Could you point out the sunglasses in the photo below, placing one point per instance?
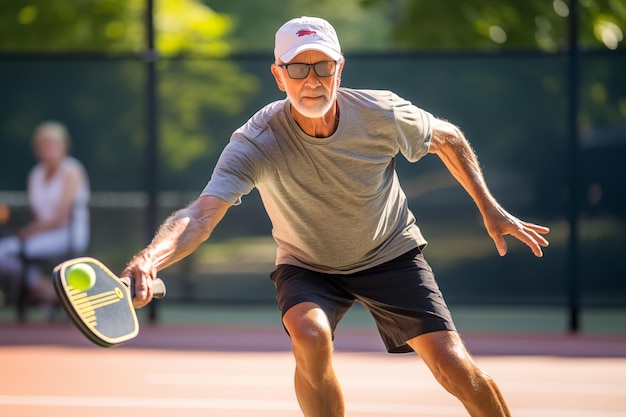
(301, 71)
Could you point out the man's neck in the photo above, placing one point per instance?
(319, 127)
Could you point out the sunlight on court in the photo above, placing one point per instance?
(63, 381)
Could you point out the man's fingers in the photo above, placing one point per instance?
(538, 228)
(143, 291)
(533, 240)
(538, 238)
(528, 233)
(141, 288)
(534, 233)
(142, 285)
(501, 245)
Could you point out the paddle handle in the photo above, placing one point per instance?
(158, 286)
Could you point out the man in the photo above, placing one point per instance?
(323, 162)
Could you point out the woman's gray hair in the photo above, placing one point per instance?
(55, 129)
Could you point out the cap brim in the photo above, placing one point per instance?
(291, 54)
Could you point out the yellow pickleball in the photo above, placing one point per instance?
(81, 276)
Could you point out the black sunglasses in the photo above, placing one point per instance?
(301, 71)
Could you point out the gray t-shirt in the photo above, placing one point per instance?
(335, 203)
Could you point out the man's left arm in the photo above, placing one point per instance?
(449, 143)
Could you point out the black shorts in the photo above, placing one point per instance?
(401, 295)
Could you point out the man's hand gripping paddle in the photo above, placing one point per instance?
(99, 303)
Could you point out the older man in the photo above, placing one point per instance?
(323, 161)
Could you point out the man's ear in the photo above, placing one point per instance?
(278, 77)
(339, 71)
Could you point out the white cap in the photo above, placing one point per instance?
(306, 34)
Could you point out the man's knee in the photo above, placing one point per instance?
(308, 328)
(462, 378)
(446, 356)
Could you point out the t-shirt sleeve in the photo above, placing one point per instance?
(234, 174)
(414, 128)
(247, 158)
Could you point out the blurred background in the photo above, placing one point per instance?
(151, 91)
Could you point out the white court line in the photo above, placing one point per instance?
(398, 384)
(271, 405)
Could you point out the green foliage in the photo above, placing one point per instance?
(199, 87)
(358, 27)
(189, 89)
(76, 25)
(498, 24)
(187, 26)
(202, 94)
(112, 26)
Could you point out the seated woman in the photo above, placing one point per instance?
(58, 197)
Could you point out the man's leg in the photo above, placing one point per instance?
(317, 388)
(451, 364)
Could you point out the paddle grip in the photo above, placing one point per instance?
(158, 286)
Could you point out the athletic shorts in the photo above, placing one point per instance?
(401, 295)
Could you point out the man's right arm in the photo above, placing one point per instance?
(179, 235)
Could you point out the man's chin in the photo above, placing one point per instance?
(313, 112)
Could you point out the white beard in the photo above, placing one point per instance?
(312, 110)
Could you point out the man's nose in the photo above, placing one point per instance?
(312, 79)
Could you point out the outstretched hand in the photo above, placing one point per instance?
(500, 223)
(143, 271)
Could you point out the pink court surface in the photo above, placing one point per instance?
(234, 371)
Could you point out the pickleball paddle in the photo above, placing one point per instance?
(102, 306)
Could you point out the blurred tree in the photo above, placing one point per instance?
(504, 24)
(189, 89)
(200, 89)
(359, 28)
(111, 26)
(74, 25)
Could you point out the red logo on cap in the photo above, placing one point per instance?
(305, 32)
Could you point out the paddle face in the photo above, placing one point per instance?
(104, 313)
